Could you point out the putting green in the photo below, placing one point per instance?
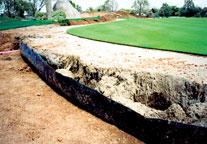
(188, 35)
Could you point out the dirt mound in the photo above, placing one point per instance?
(118, 14)
(93, 14)
(81, 22)
(8, 42)
(124, 14)
(115, 15)
(105, 17)
(108, 17)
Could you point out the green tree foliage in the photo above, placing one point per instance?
(188, 9)
(110, 5)
(204, 12)
(155, 12)
(20, 7)
(58, 15)
(175, 11)
(40, 16)
(165, 10)
(140, 6)
(14, 8)
(8, 6)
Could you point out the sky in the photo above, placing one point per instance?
(128, 3)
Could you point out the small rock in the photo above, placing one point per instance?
(59, 139)
(175, 112)
(65, 72)
(38, 94)
(8, 59)
(25, 69)
(28, 69)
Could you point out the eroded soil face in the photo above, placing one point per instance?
(31, 112)
(8, 42)
(156, 84)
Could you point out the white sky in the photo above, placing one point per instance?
(128, 3)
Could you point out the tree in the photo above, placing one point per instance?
(204, 12)
(90, 9)
(155, 12)
(14, 8)
(110, 5)
(19, 7)
(174, 11)
(165, 10)
(197, 11)
(140, 6)
(188, 9)
(36, 6)
(8, 7)
(76, 6)
(49, 8)
(100, 8)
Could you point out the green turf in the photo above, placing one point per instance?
(188, 35)
(8, 23)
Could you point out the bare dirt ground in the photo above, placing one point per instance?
(31, 112)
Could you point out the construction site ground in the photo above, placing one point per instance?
(32, 112)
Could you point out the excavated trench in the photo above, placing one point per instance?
(152, 95)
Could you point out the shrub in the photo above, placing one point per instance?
(58, 16)
(41, 16)
(64, 22)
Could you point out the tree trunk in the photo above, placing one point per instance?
(49, 8)
(140, 9)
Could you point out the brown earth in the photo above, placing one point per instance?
(93, 14)
(31, 112)
(105, 17)
(8, 42)
(121, 13)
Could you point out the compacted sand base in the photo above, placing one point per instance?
(156, 84)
